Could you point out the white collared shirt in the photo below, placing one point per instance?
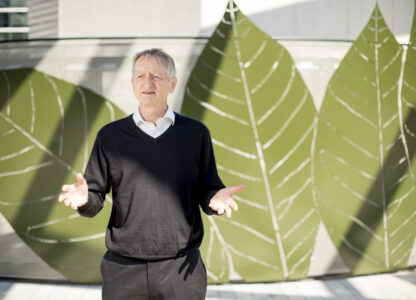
(162, 124)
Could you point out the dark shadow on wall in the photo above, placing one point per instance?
(43, 22)
(342, 288)
(46, 183)
(411, 278)
(21, 60)
(89, 256)
(15, 55)
(355, 234)
(205, 74)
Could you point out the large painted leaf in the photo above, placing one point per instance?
(247, 90)
(362, 180)
(408, 107)
(47, 128)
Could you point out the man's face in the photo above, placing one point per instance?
(150, 82)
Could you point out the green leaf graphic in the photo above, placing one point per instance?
(408, 109)
(247, 90)
(47, 129)
(362, 180)
(408, 93)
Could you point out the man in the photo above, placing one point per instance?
(161, 168)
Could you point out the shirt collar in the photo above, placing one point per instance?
(168, 114)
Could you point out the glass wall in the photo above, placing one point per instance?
(13, 20)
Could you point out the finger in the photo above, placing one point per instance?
(74, 206)
(67, 202)
(213, 205)
(228, 211)
(62, 197)
(220, 210)
(238, 188)
(234, 205)
(67, 187)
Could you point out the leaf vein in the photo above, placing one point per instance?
(293, 150)
(299, 223)
(256, 54)
(269, 73)
(394, 58)
(281, 99)
(345, 185)
(252, 231)
(250, 203)
(215, 109)
(292, 174)
(234, 150)
(348, 140)
(347, 164)
(288, 121)
(220, 72)
(37, 143)
(349, 108)
(215, 93)
(17, 153)
(291, 200)
(252, 258)
(26, 170)
(355, 249)
(238, 174)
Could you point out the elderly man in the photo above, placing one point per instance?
(161, 168)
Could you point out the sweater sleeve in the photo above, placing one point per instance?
(210, 182)
(97, 177)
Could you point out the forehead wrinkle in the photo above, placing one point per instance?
(144, 61)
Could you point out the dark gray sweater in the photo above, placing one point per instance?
(157, 187)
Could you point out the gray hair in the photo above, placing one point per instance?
(164, 58)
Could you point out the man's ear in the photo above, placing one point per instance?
(173, 85)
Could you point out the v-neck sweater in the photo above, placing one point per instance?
(157, 184)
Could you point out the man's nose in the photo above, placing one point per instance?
(148, 80)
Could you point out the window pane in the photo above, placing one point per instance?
(13, 19)
(13, 3)
(4, 20)
(13, 36)
(18, 19)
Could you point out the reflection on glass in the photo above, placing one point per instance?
(13, 19)
(13, 36)
(13, 3)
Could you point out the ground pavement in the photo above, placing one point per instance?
(392, 286)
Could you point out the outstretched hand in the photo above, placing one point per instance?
(223, 200)
(75, 195)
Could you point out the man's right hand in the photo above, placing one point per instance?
(75, 195)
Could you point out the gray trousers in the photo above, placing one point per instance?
(177, 278)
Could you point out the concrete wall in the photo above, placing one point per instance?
(314, 19)
(298, 19)
(311, 19)
(43, 18)
(97, 18)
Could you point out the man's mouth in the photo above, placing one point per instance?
(148, 92)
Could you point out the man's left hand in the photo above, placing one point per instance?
(223, 200)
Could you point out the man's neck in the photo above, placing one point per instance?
(151, 113)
